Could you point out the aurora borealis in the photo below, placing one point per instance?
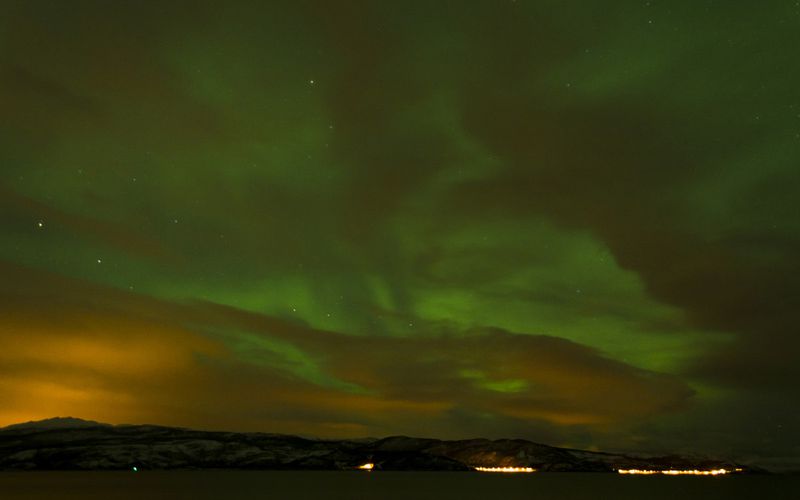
(571, 222)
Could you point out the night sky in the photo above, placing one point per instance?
(571, 222)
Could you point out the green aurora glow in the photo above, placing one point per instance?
(434, 218)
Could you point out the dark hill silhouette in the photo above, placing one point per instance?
(75, 444)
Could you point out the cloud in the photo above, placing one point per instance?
(20, 213)
(455, 184)
(108, 354)
(661, 195)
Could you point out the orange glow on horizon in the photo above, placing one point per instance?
(366, 466)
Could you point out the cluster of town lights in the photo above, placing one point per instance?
(673, 472)
(505, 469)
(647, 472)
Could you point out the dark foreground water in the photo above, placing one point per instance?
(236, 485)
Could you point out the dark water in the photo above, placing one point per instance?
(236, 485)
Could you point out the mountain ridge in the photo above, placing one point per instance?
(68, 443)
(55, 423)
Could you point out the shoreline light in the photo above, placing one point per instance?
(367, 466)
(675, 472)
(505, 469)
